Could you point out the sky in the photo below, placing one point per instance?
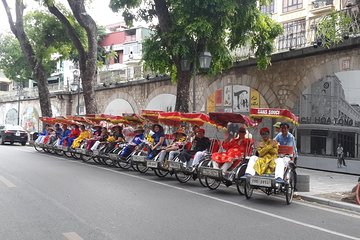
(98, 9)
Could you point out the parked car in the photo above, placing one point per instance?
(13, 133)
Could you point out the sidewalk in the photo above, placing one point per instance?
(328, 188)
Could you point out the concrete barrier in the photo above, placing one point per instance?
(303, 183)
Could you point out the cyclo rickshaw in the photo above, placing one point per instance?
(139, 159)
(215, 176)
(131, 120)
(171, 119)
(267, 182)
(182, 173)
(42, 146)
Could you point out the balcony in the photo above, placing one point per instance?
(321, 6)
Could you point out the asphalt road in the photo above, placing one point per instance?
(48, 197)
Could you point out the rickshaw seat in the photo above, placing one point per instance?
(285, 150)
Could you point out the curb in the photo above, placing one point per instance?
(337, 204)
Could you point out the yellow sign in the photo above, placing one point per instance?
(210, 103)
(254, 99)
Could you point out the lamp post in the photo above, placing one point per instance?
(75, 87)
(204, 62)
(19, 93)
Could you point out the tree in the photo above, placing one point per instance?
(186, 28)
(87, 51)
(12, 60)
(39, 73)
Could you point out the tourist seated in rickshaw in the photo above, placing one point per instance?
(136, 141)
(57, 134)
(95, 137)
(43, 134)
(102, 139)
(157, 141)
(74, 133)
(199, 147)
(50, 133)
(64, 135)
(265, 162)
(235, 149)
(174, 149)
(116, 138)
(285, 138)
(84, 135)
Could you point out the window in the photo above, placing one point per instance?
(291, 5)
(267, 9)
(294, 35)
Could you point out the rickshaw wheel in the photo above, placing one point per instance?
(85, 157)
(76, 155)
(212, 183)
(37, 148)
(123, 165)
(289, 187)
(182, 177)
(97, 160)
(240, 184)
(248, 189)
(67, 154)
(58, 152)
(142, 168)
(202, 178)
(160, 173)
(108, 161)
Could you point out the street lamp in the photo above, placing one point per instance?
(19, 89)
(75, 87)
(204, 62)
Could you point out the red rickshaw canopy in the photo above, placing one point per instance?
(258, 113)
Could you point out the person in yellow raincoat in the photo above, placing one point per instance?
(84, 134)
(268, 152)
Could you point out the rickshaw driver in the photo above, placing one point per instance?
(284, 138)
(268, 151)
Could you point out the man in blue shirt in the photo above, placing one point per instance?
(284, 138)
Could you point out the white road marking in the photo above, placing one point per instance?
(225, 201)
(7, 182)
(72, 236)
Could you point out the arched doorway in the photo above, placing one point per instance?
(118, 107)
(163, 102)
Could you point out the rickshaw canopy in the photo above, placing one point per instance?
(282, 114)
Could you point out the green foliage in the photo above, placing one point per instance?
(12, 61)
(218, 26)
(333, 28)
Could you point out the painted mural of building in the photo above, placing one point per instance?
(327, 119)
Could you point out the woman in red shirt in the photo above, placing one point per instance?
(235, 150)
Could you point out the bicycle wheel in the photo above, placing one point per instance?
(240, 183)
(212, 183)
(204, 163)
(289, 187)
(160, 173)
(182, 177)
(248, 189)
(142, 168)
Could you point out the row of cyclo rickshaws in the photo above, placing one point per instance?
(139, 142)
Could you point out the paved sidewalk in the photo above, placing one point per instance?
(328, 188)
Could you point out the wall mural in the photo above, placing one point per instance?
(234, 98)
(11, 117)
(30, 119)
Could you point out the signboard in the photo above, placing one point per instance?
(254, 99)
(228, 96)
(241, 98)
(210, 103)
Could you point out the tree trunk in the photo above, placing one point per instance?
(183, 94)
(38, 69)
(88, 57)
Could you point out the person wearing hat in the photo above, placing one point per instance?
(115, 138)
(95, 136)
(268, 152)
(198, 149)
(284, 138)
(159, 141)
(277, 127)
(235, 150)
(101, 139)
(136, 141)
(50, 133)
(175, 147)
